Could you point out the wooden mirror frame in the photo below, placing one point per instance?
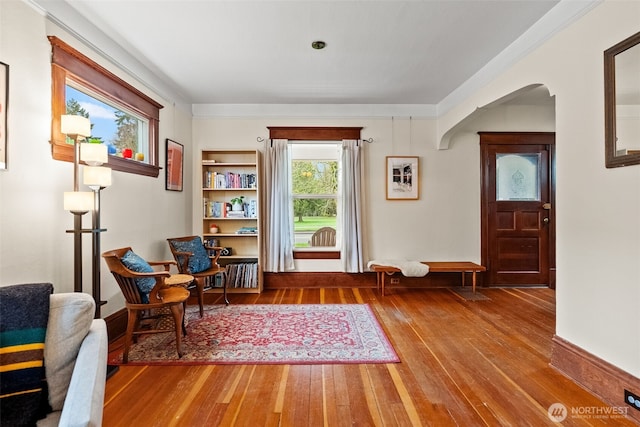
(612, 159)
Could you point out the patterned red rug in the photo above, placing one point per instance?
(270, 334)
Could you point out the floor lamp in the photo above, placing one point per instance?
(80, 202)
(77, 202)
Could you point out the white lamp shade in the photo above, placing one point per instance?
(75, 125)
(78, 201)
(94, 154)
(97, 176)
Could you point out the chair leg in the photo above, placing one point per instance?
(178, 317)
(200, 289)
(132, 320)
(224, 290)
(184, 316)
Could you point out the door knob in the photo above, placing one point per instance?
(545, 220)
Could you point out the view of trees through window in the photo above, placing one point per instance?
(109, 125)
(314, 175)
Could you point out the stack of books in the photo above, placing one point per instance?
(242, 275)
(247, 230)
(236, 214)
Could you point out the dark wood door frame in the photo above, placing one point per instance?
(512, 139)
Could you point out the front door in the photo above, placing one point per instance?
(518, 238)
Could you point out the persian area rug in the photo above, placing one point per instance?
(270, 334)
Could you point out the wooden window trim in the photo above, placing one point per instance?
(319, 254)
(305, 133)
(68, 63)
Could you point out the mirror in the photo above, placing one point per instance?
(622, 103)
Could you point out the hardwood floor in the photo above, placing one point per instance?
(463, 363)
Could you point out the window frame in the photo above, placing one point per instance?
(306, 133)
(69, 64)
(335, 196)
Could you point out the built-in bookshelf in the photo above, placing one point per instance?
(230, 207)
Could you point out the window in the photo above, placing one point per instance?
(317, 163)
(316, 194)
(121, 116)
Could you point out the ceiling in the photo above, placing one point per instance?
(259, 52)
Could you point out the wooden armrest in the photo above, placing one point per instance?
(217, 251)
(154, 295)
(162, 274)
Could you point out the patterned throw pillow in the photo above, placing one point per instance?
(136, 263)
(200, 260)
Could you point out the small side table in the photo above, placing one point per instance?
(179, 280)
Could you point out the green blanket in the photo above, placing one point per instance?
(23, 326)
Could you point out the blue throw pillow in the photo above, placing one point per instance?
(200, 260)
(135, 263)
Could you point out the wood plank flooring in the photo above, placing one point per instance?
(463, 363)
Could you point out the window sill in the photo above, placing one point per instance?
(64, 152)
(316, 254)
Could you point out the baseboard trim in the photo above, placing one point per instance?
(116, 324)
(329, 279)
(598, 376)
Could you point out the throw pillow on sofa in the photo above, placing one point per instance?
(69, 322)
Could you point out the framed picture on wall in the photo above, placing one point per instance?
(174, 165)
(4, 101)
(402, 178)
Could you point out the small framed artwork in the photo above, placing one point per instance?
(402, 178)
(4, 102)
(174, 165)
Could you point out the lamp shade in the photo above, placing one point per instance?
(94, 154)
(97, 176)
(75, 125)
(78, 201)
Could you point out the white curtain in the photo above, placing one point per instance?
(279, 237)
(352, 201)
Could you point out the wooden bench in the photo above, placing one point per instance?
(434, 267)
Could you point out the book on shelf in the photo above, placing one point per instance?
(247, 230)
(229, 180)
(216, 281)
(249, 210)
(214, 209)
(236, 214)
(242, 275)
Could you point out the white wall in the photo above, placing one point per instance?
(442, 225)
(598, 209)
(137, 211)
